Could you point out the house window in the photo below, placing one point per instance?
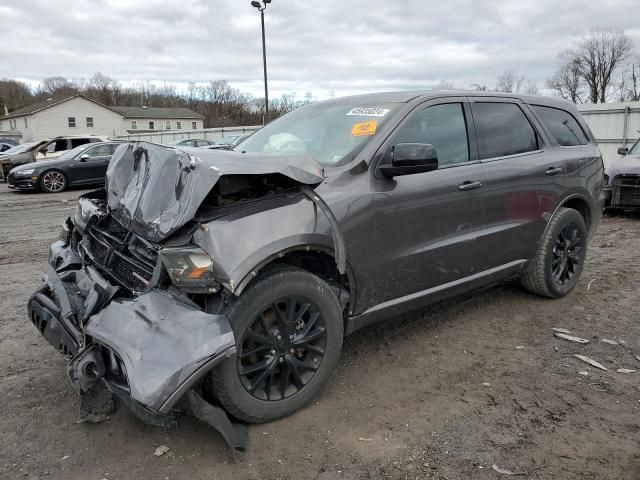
(134, 125)
(152, 125)
(72, 122)
(194, 125)
(167, 125)
(179, 125)
(90, 122)
(26, 124)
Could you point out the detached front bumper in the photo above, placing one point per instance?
(150, 349)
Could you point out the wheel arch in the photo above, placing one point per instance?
(316, 259)
(577, 202)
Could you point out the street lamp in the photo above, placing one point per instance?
(261, 7)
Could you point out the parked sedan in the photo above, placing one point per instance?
(84, 165)
(622, 179)
(193, 142)
(228, 143)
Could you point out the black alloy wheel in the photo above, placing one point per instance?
(282, 349)
(567, 254)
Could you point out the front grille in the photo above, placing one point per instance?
(125, 258)
(10, 179)
(625, 191)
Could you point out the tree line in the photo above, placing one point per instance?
(219, 103)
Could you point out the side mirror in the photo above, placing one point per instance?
(409, 158)
(623, 150)
(84, 157)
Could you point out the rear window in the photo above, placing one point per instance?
(503, 130)
(562, 125)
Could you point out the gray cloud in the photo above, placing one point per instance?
(344, 46)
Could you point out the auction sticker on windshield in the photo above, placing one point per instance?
(364, 128)
(368, 111)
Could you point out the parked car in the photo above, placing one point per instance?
(4, 147)
(45, 149)
(230, 278)
(84, 165)
(622, 179)
(193, 142)
(229, 142)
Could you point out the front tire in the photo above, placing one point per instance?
(53, 181)
(558, 263)
(289, 329)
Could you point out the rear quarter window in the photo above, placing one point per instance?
(564, 128)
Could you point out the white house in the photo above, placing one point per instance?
(79, 115)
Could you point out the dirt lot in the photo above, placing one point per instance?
(442, 393)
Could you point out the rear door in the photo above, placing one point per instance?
(524, 179)
(428, 221)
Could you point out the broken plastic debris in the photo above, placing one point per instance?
(504, 471)
(365, 439)
(626, 370)
(610, 342)
(519, 347)
(591, 362)
(486, 384)
(571, 338)
(560, 330)
(161, 450)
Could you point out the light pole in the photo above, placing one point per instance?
(261, 7)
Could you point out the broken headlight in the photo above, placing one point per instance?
(189, 267)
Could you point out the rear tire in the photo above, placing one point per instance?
(558, 263)
(289, 329)
(53, 181)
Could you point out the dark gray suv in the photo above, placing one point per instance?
(201, 279)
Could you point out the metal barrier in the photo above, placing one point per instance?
(168, 136)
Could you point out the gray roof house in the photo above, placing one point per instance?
(79, 115)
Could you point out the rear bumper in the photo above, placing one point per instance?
(150, 350)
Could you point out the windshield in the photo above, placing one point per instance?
(72, 153)
(20, 148)
(332, 133)
(635, 150)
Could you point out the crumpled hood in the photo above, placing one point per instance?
(154, 189)
(627, 165)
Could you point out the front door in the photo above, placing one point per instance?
(427, 223)
(91, 165)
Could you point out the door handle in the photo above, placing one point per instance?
(469, 185)
(553, 171)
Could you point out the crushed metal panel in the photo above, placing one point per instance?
(163, 343)
(154, 190)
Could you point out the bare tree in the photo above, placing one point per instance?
(444, 85)
(58, 87)
(630, 82)
(479, 88)
(567, 82)
(597, 57)
(509, 82)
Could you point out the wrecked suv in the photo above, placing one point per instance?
(226, 280)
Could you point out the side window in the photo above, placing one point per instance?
(76, 142)
(563, 127)
(99, 151)
(57, 146)
(444, 127)
(503, 129)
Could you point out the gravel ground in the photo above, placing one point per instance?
(443, 393)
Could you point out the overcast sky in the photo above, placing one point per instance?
(345, 46)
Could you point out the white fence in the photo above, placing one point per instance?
(168, 136)
(613, 124)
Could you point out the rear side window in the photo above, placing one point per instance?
(562, 125)
(503, 129)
